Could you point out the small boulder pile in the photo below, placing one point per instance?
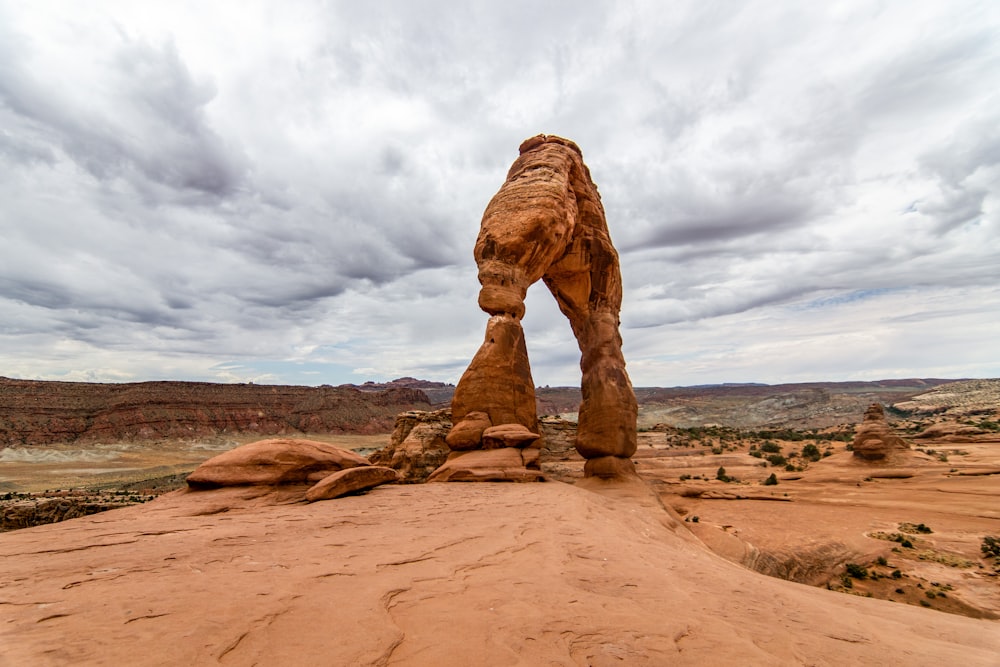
(874, 439)
(330, 471)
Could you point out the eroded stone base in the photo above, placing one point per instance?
(507, 464)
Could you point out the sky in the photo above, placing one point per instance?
(289, 192)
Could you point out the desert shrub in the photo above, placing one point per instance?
(770, 447)
(811, 452)
(756, 453)
(777, 460)
(896, 574)
(685, 477)
(881, 561)
(856, 571)
(695, 519)
(991, 546)
(721, 475)
(989, 425)
(716, 450)
(771, 481)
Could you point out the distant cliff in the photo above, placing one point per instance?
(33, 412)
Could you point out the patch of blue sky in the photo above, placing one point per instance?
(845, 298)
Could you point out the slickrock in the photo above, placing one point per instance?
(436, 574)
(274, 462)
(506, 464)
(417, 445)
(547, 223)
(350, 480)
(874, 439)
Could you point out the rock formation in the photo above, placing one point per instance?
(545, 223)
(274, 462)
(38, 413)
(417, 445)
(331, 470)
(874, 439)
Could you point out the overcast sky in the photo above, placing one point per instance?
(289, 192)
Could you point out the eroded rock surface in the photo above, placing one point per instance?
(350, 480)
(874, 439)
(547, 223)
(539, 574)
(417, 445)
(274, 462)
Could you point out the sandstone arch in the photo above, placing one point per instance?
(545, 223)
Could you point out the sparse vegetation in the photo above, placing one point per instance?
(856, 571)
(811, 452)
(771, 481)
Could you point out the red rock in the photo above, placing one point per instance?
(274, 462)
(350, 480)
(508, 464)
(34, 412)
(468, 433)
(547, 223)
(874, 439)
(509, 435)
(417, 444)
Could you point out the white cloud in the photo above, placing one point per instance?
(291, 192)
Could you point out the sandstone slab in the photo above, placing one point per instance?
(436, 574)
(350, 480)
(274, 462)
(507, 464)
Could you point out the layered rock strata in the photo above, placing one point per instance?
(546, 223)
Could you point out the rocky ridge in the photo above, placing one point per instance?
(34, 412)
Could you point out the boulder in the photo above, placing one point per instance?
(468, 433)
(509, 435)
(350, 480)
(274, 462)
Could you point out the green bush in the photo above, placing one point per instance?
(856, 571)
(991, 546)
(771, 447)
(771, 481)
(777, 460)
(721, 475)
(811, 452)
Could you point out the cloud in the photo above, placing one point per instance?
(234, 191)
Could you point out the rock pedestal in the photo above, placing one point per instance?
(874, 439)
(546, 223)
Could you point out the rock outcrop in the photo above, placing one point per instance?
(350, 480)
(274, 462)
(874, 439)
(547, 223)
(417, 445)
(282, 462)
(38, 413)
